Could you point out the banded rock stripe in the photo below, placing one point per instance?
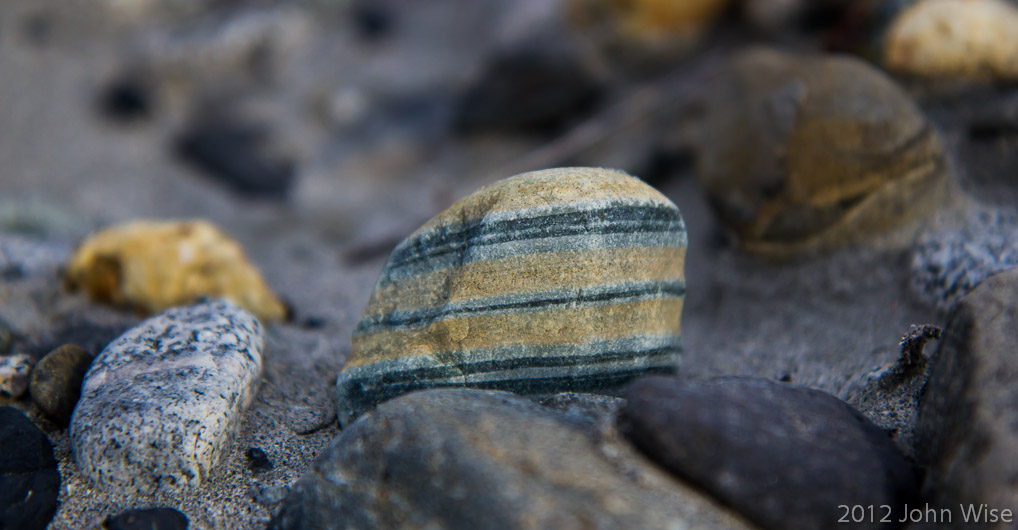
(565, 279)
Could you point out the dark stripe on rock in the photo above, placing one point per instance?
(408, 319)
(360, 400)
(614, 218)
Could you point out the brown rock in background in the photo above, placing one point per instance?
(807, 153)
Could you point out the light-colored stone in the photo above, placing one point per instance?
(559, 280)
(972, 39)
(14, 370)
(160, 403)
(153, 265)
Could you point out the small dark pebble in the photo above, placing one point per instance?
(126, 99)
(257, 460)
(528, 90)
(6, 337)
(373, 22)
(783, 456)
(29, 479)
(148, 519)
(313, 322)
(55, 381)
(233, 152)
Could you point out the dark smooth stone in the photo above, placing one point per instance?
(373, 22)
(968, 412)
(468, 459)
(127, 99)
(29, 479)
(784, 456)
(55, 381)
(528, 90)
(149, 519)
(232, 151)
(6, 337)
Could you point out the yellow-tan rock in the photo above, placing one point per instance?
(654, 29)
(970, 39)
(808, 153)
(153, 265)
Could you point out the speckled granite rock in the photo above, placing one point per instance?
(784, 456)
(807, 153)
(974, 39)
(559, 280)
(968, 419)
(29, 480)
(160, 403)
(55, 381)
(153, 265)
(466, 459)
(954, 255)
(14, 370)
(147, 519)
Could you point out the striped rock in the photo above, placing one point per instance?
(558, 280)
(158, 406)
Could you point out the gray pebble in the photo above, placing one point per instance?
(14, 371)
(160, 403)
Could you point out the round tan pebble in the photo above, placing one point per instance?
(807, 153)
(971, 39)
(55, 381)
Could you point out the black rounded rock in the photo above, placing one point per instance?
(55, 382)
(127, 99)
(29, 479)
(235, 153)
(786, 457)
(148, 519)
(257, 460)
